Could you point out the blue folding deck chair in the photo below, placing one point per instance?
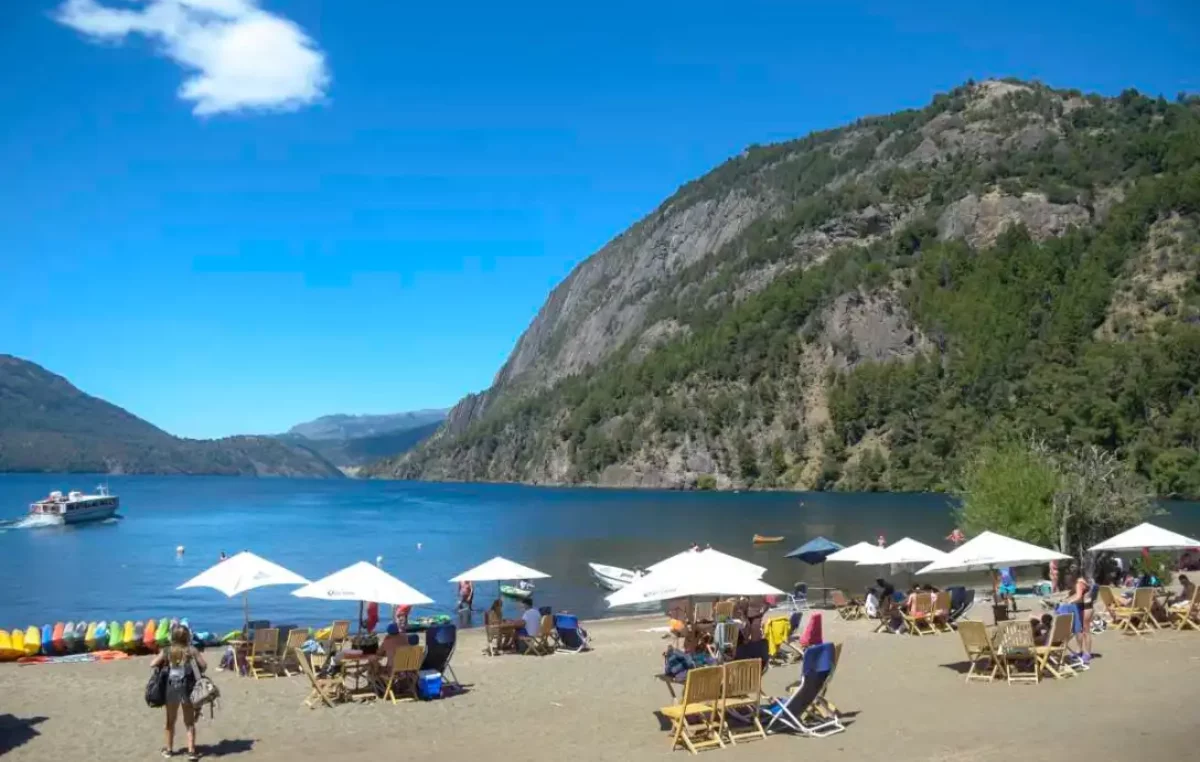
(567, 635)
(440, 643)
(796, 711)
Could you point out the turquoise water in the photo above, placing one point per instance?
(128, 569)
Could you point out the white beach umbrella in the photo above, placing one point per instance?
(1149, 537)
(693, 576)
(497, 570)
(903, 553)
(241, 574)
(363, 582)
(989, 552)
(859, 551)
(709, 559)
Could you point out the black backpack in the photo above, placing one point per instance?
(156, 688)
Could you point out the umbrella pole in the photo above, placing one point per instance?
(824, 588)
(246, 612)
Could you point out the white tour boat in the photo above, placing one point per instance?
(77, 507)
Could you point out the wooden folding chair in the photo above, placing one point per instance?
(339, 632)
(1184, 615)
(1053, 656)
(919, 621)
(940, 618)
(1142, 621)
(703, 612)
(541, 642)
(264, 653)
(742, 692)
(725, 640)
(325, 690)
(1014, 643)
(722, 610)
(889, 612)
(1120, 614)
(701, 699)
(403, 670)
(846, 608)
(980, 650)
(295, 641)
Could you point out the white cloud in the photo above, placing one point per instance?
(239, 57)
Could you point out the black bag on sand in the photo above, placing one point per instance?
(156, 688)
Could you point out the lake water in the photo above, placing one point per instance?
(128, 569)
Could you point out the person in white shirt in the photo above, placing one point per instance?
(532, 619)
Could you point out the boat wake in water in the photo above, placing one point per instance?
(33, 522)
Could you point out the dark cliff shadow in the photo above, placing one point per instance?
(17, 731)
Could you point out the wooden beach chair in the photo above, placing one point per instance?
(264, 653)
(1053, 657)
(940, 618)
(701, 698)
(891, 618)
(846, 608)
(742, 698)
(541, 642)
(1014, 643)
(1120, 614)
(725, 640)
(287, 660)
(981, 653)
(339, 632)
(722, 610)
(402, 673)
(1184, 615)
(325, 690)
(703, 612)
(1143, 620)
(919, 621)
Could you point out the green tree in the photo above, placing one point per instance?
(1009, 488)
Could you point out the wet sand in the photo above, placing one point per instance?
(903, 698)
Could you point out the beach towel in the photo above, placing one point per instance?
(818, 658)
(812, 631)
(778, 631)
(1073, 610)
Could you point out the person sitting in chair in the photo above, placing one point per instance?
(1187, 589)
(531, 620)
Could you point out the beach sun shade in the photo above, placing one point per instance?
(1149, 537)
(990, 551)
(692, 577)
(709, 559)
(498, 570)
(902, 553)
(859, 551)
(363, 582)
(242, 573)
(815, 551)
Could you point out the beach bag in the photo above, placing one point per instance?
(156, 688)
(204, 691)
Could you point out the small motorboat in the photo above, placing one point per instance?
(515, 591)
(612, 577)
(762, 539)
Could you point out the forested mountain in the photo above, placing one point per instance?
(46, 424)
(857, 308)
(356, 451)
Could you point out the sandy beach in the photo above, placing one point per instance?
(902, 697)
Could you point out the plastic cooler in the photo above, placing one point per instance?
(429, 684)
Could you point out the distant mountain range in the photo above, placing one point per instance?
(48, 425)
(341, 426)
(349, 441)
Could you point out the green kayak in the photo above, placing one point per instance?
(512, 591)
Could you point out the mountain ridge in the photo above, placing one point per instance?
(49, 425)
(741, 334)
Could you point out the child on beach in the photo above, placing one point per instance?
(180, 658)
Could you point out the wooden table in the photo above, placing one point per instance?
(359, 667)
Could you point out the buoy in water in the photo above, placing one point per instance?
(418, 546)
(179, 550)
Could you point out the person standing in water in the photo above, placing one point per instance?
(180, 658)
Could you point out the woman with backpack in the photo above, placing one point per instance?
(183, 663)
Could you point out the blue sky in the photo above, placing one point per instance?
(358, 206)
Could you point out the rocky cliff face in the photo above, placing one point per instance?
(699, 348)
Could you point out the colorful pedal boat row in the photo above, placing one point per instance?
(78, 637)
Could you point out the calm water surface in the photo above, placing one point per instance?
(128, 569)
